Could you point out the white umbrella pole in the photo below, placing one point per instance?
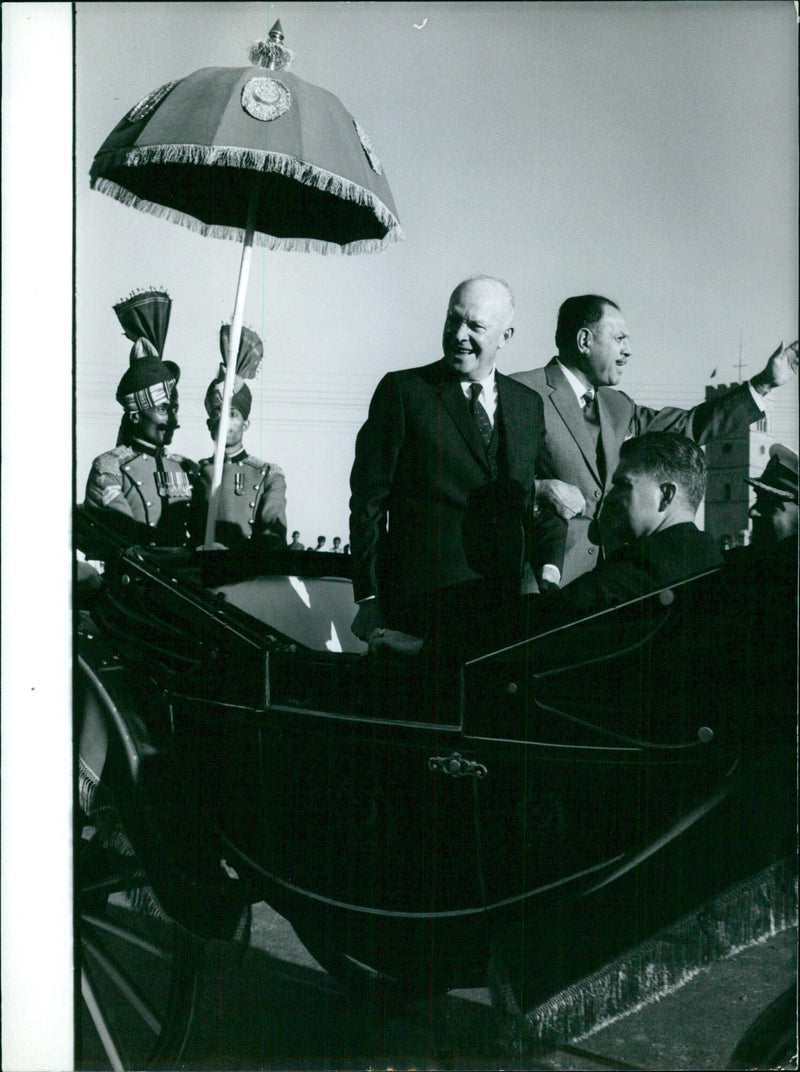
(230, 372)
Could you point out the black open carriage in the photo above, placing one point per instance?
(236, 744)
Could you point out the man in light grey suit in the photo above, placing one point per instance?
(586, 422)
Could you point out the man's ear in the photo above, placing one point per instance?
(245, 425)
(507, 334)
(582, 339)
(135, 417)
(668, 493)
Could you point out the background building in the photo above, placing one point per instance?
(729, 461)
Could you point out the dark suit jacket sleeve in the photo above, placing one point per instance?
(725, 415)
(545, 539)
(547, 534)
(377, 449)
(602, 588)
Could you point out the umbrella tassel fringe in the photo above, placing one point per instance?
(276, 163)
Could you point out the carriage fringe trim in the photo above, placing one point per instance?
(250, 159)
(94, 802)
(88, 789)
(750, 912)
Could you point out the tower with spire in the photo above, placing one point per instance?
(728, 462)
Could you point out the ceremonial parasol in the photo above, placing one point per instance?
(239, 153)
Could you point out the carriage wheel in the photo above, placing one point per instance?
(771, 1040)
(361, 980)
(138, 968)
(411, 980)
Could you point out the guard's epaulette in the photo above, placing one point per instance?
(250, 460)
(255, 462)
(110, 461)
(121, 452)
(210, 461)
(274, 470)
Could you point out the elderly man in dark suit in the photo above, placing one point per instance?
(443, 478)
(587, 421)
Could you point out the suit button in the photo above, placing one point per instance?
(251, 505)
(597, 495)
(148, 504)
(152, 524)
(591, 550)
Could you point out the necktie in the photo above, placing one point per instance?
(479, 414)
(592, 418)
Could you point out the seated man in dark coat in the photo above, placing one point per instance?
(656, 491)
(759, 594)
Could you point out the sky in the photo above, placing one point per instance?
(645, 151)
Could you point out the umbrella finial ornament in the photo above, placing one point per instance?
(272, 53)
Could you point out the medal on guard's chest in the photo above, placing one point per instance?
(173, 486)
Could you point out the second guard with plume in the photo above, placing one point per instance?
(252, 496)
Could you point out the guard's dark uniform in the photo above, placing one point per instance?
(252, 501)
(148, 485)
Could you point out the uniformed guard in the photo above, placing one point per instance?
(252, 496)
(140, 486)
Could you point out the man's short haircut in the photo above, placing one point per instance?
(487, 279)
(579, 312)
(668, 456)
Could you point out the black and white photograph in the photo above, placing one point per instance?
(402, 669)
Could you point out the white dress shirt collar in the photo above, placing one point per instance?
(488, 395)
(577, 386)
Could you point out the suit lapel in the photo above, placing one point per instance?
(609, 436)
(566, 405)
(455, 403)
(512, 415)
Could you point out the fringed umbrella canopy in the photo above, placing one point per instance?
(254, 154)
(191, 149)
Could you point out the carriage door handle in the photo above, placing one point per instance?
(456, 766)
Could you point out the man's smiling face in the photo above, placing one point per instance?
(478, 324)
